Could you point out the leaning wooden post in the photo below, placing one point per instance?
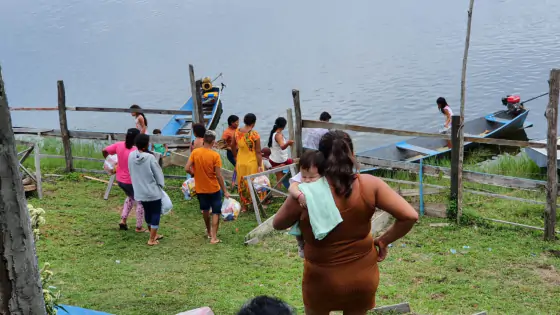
(20, 282)
(198, 104)
(455, 124)
(462, 113)
(552, 167)
(64, 127)
(195, 96)
(290, 118)
(298, 125)
(38, 171)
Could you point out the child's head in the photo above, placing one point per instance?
(131, 137)
(199, 130)
(312, 166)
(265, 152)
(156, 132)
(209, 137)
(142, 142)
(233, 121)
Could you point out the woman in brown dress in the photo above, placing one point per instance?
(340, 271)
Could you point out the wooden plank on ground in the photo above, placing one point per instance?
(402, 308)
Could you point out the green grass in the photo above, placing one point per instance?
(82, 243)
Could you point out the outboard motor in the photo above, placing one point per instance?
(513, 103)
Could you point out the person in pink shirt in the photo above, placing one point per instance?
(122, 149)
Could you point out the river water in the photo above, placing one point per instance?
(376, 63)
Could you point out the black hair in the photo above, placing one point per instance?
(325, 116)
(337, 147)
(142, 114)
(313, 158)
(130, 137)
(209, 136)
(442, 103)
(142, 141)
(231, 119)
(156, 132)
(199, 130)
(250, 119)
(280, 122)
(265, 305)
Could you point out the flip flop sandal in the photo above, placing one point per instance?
(218, 242)
(123, 227)
(159, 237)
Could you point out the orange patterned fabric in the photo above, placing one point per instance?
(246, 163)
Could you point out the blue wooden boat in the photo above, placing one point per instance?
(212, 109)
(501, 124)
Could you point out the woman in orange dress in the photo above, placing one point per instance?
(246, 148)
(340, 271)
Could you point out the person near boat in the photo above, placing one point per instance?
(279, 147)
(313, 135)
(148, 181)
(140, 119)
(340, 271)
(227, 136)
(161, 148)
(123, 149)
(198, 130)
(207, 166)
(445, 109)
(246, 148)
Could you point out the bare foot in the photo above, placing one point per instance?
(152, 243)
(214, 242)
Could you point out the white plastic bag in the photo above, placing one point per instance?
(110, 164)
(166, 204)
(230, 209)
(261, 183)
(188, 188)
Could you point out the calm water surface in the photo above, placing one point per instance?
(377, 63)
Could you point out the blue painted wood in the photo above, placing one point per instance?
(74, 310)
(408, 146)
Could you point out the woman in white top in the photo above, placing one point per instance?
(140, 120)
(445, 109)
(279, 147)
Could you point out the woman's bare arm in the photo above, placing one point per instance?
(280, 139)
(288, 214)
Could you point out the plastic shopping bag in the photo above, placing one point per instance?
(230, 209)
(110, 164)
(188, 188)
(166, 204)
(261, 183)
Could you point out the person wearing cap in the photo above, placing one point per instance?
(205, 165)
(313, 135)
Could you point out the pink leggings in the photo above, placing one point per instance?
(129, 202)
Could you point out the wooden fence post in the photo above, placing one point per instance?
(64, 126)
(298, 125)
(195, 97)
(290, 119)
(552, 167)
(39, 182)
(455, 124)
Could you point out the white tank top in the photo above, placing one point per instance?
(277, 155)
(448, 109)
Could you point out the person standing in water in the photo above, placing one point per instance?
(140, 119)
(445, 109)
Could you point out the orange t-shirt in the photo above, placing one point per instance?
(204, 162)
(228, 135)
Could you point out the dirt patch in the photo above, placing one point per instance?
(549, 274)
(438, 296)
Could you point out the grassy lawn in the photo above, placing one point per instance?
(505, 270)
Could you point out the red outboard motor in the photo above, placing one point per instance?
(513, 103)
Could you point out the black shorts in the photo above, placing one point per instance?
(211, 202)
(127, 188)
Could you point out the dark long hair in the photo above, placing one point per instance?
(338, 149)
(441, 103)
(280, 122)
(142, 114)
(130, 137)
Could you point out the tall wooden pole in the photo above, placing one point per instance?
(64, 127)
(455, 124)
(462, 114)
(197, 102)
(291, 134)
(297, 125)
(552, 167)
(20, 282)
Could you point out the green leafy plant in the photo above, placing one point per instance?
(50, 294)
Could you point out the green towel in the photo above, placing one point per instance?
(323, 213)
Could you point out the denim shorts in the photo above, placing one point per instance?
(211, 202)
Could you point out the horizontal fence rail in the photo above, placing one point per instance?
(108, 110)
(406, 133)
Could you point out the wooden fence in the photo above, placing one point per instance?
(551, 185)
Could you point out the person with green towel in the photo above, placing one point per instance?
(310, 184)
